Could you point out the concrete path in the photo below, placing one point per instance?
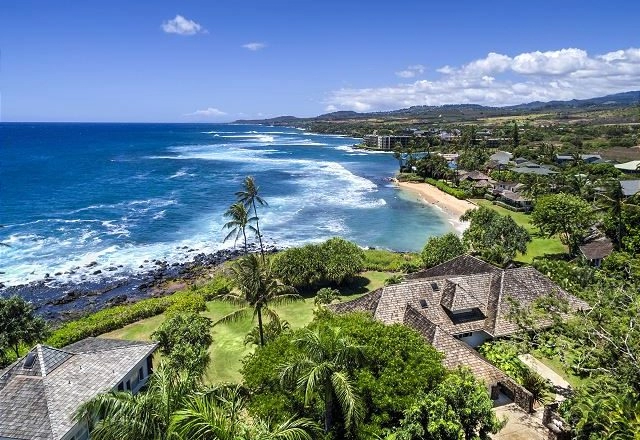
(560, 385)
(520, 425)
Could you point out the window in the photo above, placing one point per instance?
(423, 303)
(128, 385)
(435, 287)
(464, 335)
(140, 374)
(120, 386)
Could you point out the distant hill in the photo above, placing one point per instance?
(463, 111)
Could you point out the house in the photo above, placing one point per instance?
(501, 157)
(563, 159)
(630, 187)
(458, 305)
(475, 176)
(516, 200)
(40, 392)
(533, 168)
(596, 250)
(632, 167)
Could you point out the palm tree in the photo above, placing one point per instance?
(257, 290)
(250, 197)
(143, 416)
(238, 223)
(614, 200)
(324, 370)
(220, 415)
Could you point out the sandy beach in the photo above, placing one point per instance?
(432, 195)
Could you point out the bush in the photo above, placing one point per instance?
(326, 295)
(393, 279)
(441, 249)
(330, 263)
(190, 303)
(113, 318)
(457, 193)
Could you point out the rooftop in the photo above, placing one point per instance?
(630, 187)
(460, 296)
(629, 166)
(597, 249)
(40, 392)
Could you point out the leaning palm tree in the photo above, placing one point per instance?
(143, 416)
(249, 197)
(220, 414)
(324, 370)
(239, 223)
(257, 290)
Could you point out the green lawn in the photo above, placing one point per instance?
(556, 365)
(228, 347)
(539, 246)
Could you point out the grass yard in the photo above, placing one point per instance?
(228, 347)
(556, 365)
(539, 246)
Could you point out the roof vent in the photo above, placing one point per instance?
(423, 303)
(435, 287)
(30, 360)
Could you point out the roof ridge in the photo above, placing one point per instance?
(121, 347)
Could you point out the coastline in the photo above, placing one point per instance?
(431, 195)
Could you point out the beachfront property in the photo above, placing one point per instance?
(40, 393)
(632, 167)
(533, 168)
(458, 305)
(386, 142)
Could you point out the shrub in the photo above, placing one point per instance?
(326, 295)
(190, 303)
(332, 262)
(393, 279)
(457, 193)
(113, 318)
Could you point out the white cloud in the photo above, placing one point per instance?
(182, 26)
(207, 113)
(411, 71)
(499, 79)
(254, 46)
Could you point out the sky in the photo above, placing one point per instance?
(222, 60)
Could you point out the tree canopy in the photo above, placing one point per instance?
(19, 325)
(441, 249)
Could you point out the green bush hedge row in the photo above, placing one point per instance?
(114, 318)
(457, 193)
(388, 261)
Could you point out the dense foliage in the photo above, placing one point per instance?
(441, 249)
(566, 215)
(497, 238)
(330, 263)
(183, 340)
(396, 367)
(19, 326)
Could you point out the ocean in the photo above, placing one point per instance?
(117, 196)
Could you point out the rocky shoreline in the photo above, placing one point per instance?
(60, 301)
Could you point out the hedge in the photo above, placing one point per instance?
(457, 193)
(114, 318)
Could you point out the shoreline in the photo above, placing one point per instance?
(449, 205)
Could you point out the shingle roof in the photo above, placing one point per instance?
(459, 296)
(39, 403)
(630, 187)
(462, 265)
(597, 249)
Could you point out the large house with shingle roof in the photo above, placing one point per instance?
(458, 305)
(40, 393)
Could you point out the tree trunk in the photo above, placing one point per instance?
(244, 234)
(255, 213)
(260, 326)
(16, 348)
(328, 407)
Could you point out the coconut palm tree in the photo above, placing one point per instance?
(249, 196)
(220, 415)
(324, 370)
(614, 200)
(143, 416)
(257, 290)
(239, 223)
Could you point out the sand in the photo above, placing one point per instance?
(433, 196)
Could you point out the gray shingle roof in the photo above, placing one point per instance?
(429, 304)
(630, 187)
(39, 403)
(597, 249)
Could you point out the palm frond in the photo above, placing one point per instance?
(347, 398)
(234, 316)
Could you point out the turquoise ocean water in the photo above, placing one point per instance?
(120, 194)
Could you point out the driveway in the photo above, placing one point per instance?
(560, 385)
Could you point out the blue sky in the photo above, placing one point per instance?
(222, 60)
